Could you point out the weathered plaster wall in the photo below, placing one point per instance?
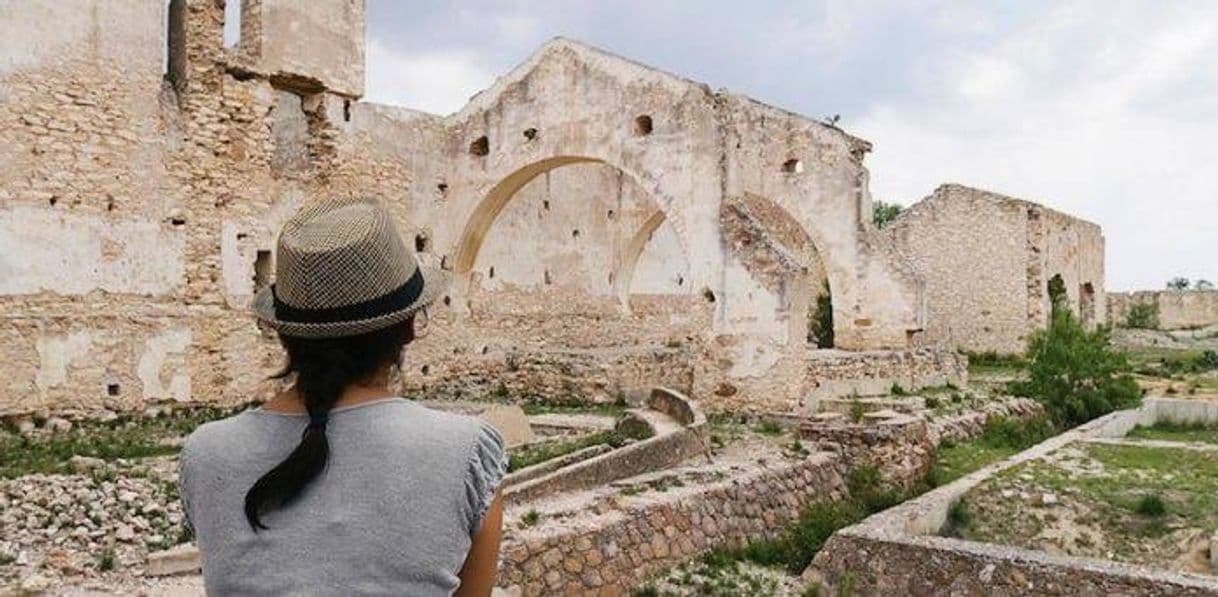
(1178, 309)
(987, 260)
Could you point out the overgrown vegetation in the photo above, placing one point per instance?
(122, 437)
(1075, 373)
(1151, 505)
(1176, 432)
(1143, 316)
(794, 549)
(544, 451)
(820, 324)
(882, 213)
(1001, 438)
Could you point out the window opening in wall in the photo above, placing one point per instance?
(708, 294)
(642, 125)
(491, 272)
(262, 270)
(232, 23)
(346, 110)
(420, 243)
(480, 147)
(426, 369)
(820, 319)
(545, 204)
(113, 389)
(1086, 303)
(530, 133)
(793, 166)
(177, 221)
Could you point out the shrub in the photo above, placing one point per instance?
(958, 518)
(1075, 374)
(1143, 316)
(1151, 505)
(857, 410)
(897, 390)
(820, 328)
(530, 518)
(884, 213)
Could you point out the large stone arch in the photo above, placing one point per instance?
(484, 214)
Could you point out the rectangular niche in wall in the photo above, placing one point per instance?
(290, 134)
(263, 268)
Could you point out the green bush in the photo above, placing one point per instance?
(884, 213)
(1143, 316)
(1075, 374)
(820, 328)
(1151, 505)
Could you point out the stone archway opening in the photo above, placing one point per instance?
(571, 224)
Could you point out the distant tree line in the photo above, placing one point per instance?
(1182, 283)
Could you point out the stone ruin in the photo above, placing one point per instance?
(614, 234)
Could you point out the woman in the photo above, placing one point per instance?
(335, 486)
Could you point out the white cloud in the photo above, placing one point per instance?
(439, 81)
(1071, 112)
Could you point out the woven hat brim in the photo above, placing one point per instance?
(434, 284)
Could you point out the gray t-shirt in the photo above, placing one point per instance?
(393, 513)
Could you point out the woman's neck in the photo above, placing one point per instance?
(291, 401)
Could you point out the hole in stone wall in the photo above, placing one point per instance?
(426, 369)
(420, 243)
(443, 188)
(112, 389)
(448, 300)
(530, 133)
(346, 110)
(793, 166)
(262, 270)
(708, 294)
(642, 125)
(491, 272)
(242, 236)
(546, 277)
(177, 221)
(110, 204)
(480, 147)
(545, 204)
(444, 262)
(53, 200)
(575, 233)
(680, 280)
(611, 278)
(610, 214)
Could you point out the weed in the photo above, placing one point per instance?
(958, 518)
(530, 518)
(931, 402)
(105, 563)
(857, 410)
(897, 390)
(1151, 505)
(768, 427)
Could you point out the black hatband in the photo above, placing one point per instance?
(401, 297)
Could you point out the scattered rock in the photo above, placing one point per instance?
(85, 464)
(182, 559)
(59, 425)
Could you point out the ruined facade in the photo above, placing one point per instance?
(1176, 309)
(989, 261)
(607, 226)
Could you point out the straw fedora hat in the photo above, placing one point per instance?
(342, 270)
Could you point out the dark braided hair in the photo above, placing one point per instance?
(324, 368)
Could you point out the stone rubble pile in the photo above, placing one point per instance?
(87, 523)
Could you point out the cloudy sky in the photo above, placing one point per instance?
(1103, 108)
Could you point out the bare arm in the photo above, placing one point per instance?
(482, 564)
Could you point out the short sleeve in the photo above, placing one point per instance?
(486, 468)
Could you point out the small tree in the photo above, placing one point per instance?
(883, 213)
(1178, 283)
(820, 328)
(1143, 316)
(1075, 373)
(1202, 284)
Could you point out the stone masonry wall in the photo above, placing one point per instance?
(608, 553)
(987, 260)
(1178, 309)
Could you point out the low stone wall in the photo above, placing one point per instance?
(836, 373)
(970, 424)
(608, 553)
(661, 451)
(1178, 309)
(897, 551)
(899, 447)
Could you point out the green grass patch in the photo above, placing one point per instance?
(1176, 432)
(1002, 438)
(544, 451)
(123, 437)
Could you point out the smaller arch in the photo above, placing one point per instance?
(629, 258)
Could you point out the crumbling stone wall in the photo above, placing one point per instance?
(987, 260)
(1178, 309)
